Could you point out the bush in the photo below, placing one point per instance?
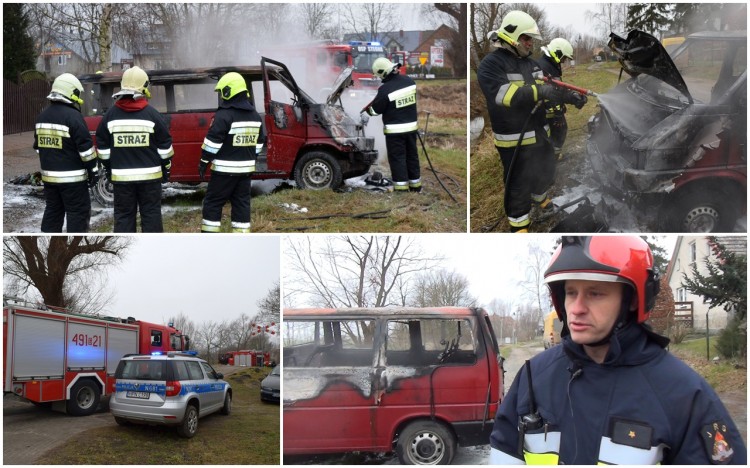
(732, 341)
(678, 332)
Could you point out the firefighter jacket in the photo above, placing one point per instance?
(235, 137)
(62, 140)
(134, 142)
(397, 102)
(509, 86)
(552, 70)
(640, 406)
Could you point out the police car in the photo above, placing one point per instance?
(174, 389)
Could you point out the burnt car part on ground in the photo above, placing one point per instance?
(417, 382)
(670, 142)
(317, 144)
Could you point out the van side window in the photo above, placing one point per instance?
(429, 342)
(321, 343)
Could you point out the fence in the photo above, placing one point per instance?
(22, 104)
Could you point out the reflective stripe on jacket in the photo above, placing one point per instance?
(397, 102)
(235, 137)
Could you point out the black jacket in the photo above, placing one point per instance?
(397, 101)
(62, 140)
(508, 83)
(552, 70)
(134, 142)
(640, 406)
(235, 137)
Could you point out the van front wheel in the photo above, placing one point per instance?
(426, 443)
(318, 170)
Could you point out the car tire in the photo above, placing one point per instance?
(122, 421)
(104, 192)
(227, 408)
(704, 210)
(84, 398)
(426, 443)
(189, 425)
(318, 170)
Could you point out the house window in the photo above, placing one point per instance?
(681, 295)
(62, 60)
(693, 254)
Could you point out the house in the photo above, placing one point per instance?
(689, 251)
(61, 56)
(430, 45)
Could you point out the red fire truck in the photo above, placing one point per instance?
(69, 360)
(246, 358)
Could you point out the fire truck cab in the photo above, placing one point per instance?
(69, 360)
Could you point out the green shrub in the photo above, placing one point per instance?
(732, 341)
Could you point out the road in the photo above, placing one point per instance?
(31, 431)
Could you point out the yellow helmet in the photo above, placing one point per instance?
(230, 85)
(67, 86)
(559, 48)
(134, 81)
(516, 23)
(383, 67)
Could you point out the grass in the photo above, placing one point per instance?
(487, 186)
(248, 436)
(724, 375)
(358, 210)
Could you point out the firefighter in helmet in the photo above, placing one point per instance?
(67, 156)
(397, 102)
(135, 148)
(230, 148)
(612, 393)
(513, 88)
(553, 56)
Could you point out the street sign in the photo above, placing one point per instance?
(436, 57)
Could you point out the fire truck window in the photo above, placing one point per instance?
(156, 338)
(194, 370)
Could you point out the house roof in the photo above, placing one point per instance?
(735, 244)
(75, 46)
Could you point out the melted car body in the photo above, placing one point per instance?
(671, 140)
(413, 381)
(315, 143)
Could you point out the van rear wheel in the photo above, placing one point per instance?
(318, 170)
(426, 443)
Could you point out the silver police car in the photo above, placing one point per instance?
(173, 389)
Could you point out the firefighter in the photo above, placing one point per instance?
(612, 393)
(135, 148)
(512, 85)
(397, 102)
(230, 148)
(553, 56)
(67, 156)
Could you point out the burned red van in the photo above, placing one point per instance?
(317, 144)
(417, 381)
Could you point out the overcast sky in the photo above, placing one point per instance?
(564, 14)
(207, 277)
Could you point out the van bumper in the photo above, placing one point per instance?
(471, 433)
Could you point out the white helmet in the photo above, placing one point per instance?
(383, 67)
(134, 82)
(515, 24)
(66, 88)
(558, 49)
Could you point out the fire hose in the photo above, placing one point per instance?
(424, 150)
(564, 85)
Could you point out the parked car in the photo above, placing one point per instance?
(671, 140)
(315, 143)
(415, 381)
(270, 387)
(175, 389)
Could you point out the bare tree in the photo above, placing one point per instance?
(65, 271)
(367, 20)
(240, 330)
(457, 48)
(438, 288)
(607, 18)
(532, 286)
(186, 325)
(316, 18)
(207, 338)
(269, 307)
(353, 271)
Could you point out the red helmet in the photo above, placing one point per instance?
(624, 259)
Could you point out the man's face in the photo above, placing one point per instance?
(592, 308)
(526, 45)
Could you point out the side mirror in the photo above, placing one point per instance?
(218, 375)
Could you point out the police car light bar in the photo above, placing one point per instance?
(156, 353)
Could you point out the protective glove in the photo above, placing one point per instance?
(93, 175)
(576, 99)
(553, 94)
(108, 172)
(165, 170)
(364, 118)
(202, 165)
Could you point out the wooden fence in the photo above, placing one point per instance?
(22, 104)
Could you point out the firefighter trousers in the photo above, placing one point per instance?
(143, 197)
(558, 126)
(71, 201)
(533, 174)
(403, 159)
(223, 188)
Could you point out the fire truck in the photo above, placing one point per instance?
(53, 356)
(246, 358)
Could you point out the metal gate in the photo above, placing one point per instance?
(22, 104)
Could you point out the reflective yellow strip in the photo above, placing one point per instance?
(130, 175)
(210, 226)
(508, 96)
(235, 167)
(88, 155)
(240, 227)
(53, 132)
(62, 177)
(522, 221)
(104, 153)
(166, 153)
(403, 92)
(401, 128)
(130, 125)
(541, 458)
